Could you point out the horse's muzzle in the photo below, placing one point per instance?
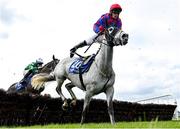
(125, 39)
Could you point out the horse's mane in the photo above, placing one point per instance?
(47, 68)
(48, 64)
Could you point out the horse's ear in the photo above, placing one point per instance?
(54, 57)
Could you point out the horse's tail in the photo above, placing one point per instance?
(38, 81)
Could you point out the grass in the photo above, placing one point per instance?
(152, 124)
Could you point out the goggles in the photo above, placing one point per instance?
(116, 11)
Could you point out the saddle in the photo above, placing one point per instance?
(81, 65)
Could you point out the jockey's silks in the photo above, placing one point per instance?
(107, 21)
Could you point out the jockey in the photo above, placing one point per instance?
(107, 20)
(33, 67)
(30, 70)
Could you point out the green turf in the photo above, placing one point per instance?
(153, 124)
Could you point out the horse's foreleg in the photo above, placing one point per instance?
(86, 105)
(109, 95)
(69, 87)
(58, 89)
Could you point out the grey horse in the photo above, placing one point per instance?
(99, 78)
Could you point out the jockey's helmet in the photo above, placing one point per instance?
(115, 8)
(39, 61)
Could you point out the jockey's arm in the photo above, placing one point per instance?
(27, 69)
(31, 69)
(100, 23)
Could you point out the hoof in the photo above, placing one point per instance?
(73, 103)
(65, 106)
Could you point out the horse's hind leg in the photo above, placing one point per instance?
(69, 87)
(59, 91)
(109, 95)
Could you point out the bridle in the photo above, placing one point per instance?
(110, 37)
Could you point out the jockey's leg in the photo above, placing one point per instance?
(25, 78)
(92, 39)
(69, 87)
(21, 85)
(81, 44)
(89, 41)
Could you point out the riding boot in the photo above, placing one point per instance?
(81, 44)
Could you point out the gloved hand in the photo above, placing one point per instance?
(101, 29)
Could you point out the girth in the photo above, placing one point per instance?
(80, 76)
(81, 70)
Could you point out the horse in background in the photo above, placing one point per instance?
(45, 70)
(99, 78)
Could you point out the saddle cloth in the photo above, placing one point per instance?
(81, 64)
(19, 86)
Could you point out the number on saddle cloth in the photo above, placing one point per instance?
(19, 86)
(81, 63)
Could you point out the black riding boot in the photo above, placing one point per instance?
(82, 44)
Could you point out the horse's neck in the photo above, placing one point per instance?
(46, 68)
(104, 58)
